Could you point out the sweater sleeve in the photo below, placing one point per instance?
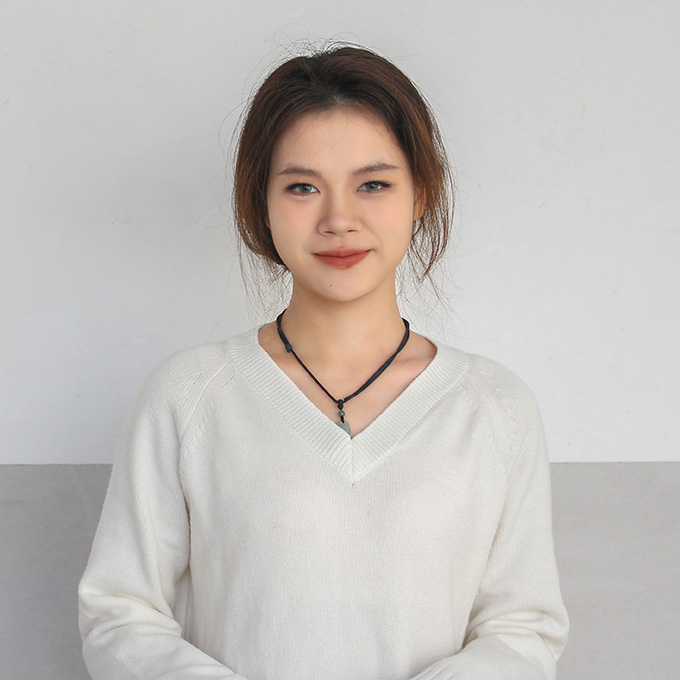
(129, 591)
(518, 625)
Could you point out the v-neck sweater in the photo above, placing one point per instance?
(245, 535)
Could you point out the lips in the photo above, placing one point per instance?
(342, 258)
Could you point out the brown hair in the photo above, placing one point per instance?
(344, 76)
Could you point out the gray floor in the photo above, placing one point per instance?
(617, 535)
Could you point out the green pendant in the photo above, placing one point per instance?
(345, 427)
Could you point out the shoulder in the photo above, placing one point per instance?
(188, 370)
(178, 385)
(484, 378)
(497, 385)
(504, 397)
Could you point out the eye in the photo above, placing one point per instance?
(374, 186)
(302, 188)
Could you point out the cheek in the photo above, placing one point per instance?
(292, 220)
(281, 240)
(399, 221)
(288, 230)
(277, 219)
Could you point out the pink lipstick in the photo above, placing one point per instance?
(342, 258)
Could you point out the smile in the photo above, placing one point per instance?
(342, 259)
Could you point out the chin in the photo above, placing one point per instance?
(343, 295)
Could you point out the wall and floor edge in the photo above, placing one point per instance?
(617, 541)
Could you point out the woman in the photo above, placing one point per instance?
(332, 495)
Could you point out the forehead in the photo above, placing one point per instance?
(342, 134)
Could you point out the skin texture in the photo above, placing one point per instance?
(341, 186)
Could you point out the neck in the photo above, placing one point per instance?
(355, 336)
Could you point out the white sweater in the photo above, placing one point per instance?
(245, 535)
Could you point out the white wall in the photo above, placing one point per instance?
(562, 119)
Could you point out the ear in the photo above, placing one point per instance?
(418, 204)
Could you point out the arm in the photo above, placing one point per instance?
(129, 591)
(518, 625)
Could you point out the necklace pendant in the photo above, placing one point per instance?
(341, 402)
(345, 426)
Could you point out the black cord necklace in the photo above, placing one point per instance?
(341, 402)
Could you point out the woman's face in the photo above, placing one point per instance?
(341, 204)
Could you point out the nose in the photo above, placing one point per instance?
(339, 215)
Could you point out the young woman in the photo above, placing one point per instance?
(331, 496)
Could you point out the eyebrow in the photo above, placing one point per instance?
(375, 167)
(378, 166)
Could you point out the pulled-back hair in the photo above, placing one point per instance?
(343, 77)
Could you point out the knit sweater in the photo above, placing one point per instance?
(246, 535)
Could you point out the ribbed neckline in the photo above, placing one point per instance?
(356, 456)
